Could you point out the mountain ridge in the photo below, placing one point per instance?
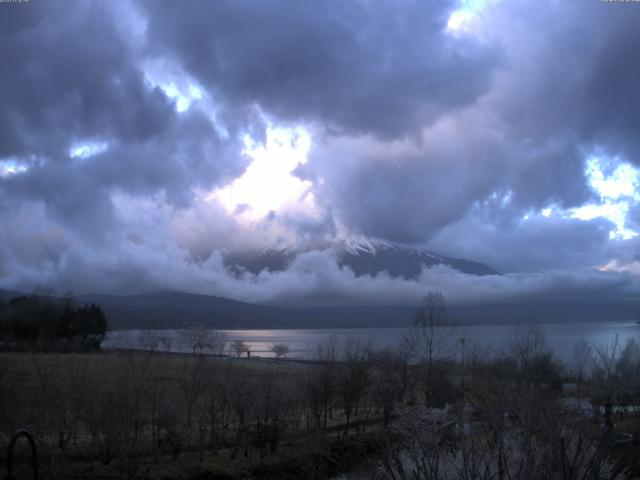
(364, 257)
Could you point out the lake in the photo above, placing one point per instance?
(561, 338)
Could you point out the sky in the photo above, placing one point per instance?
(141, 141)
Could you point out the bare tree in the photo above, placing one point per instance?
(166, 341)
(617, 372)
(414, 450)
(238, 347)
(310, 392)
(527, 343)
(192, 383)
(628, 362)
(272, 406)
(513, 434)
(196, 339)
(61, 389)
(148, 340)
(536, 367)
(318, 385)
(433, 337)
(241, 393)
(582, 358)
(280, 350)
(215, 410)
(354, 378)
(115, 415)
(216, 342)
(157, 400)
(388, 382)
(605, 357)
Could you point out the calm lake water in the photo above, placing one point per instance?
(561, 338)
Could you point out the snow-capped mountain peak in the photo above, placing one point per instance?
(363, 256)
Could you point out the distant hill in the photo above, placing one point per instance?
(179, 310)
(363, 257)
(6, 295)
(176, 309)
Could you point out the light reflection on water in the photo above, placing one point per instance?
(302, 343)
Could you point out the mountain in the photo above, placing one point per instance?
(363, 257)
(179, 310)
(369, 258)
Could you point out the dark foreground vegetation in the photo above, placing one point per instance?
(434, 408)
(47, 323)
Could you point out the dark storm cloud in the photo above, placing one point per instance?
(387, 68)
(68, 74)
(191, 154)
(570, 67)
(462, 161)
(524, 142)
(588, 76)
(71, 75)
(534, 243)
(403, 198)
(69, 193)
(568, 91)
(419, 135)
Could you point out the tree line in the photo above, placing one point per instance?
(51, 323)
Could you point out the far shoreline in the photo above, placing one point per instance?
(381, 327)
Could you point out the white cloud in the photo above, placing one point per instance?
(174, 83)
(85, 150)
(10, 167)
(462, 18)
(622, 179)
(269, 184)
(616, 184)
(183, 97)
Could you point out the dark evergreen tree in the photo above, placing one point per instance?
(39, 320)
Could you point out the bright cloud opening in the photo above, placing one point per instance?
(268, 184)
(461, 19)
(612, 179)
(173, 82)
(183, 97)
(11, 167)
(616, 183)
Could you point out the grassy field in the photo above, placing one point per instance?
(125, 414)
(27, 368)
(141, 415)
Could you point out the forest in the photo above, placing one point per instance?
(46, 323)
